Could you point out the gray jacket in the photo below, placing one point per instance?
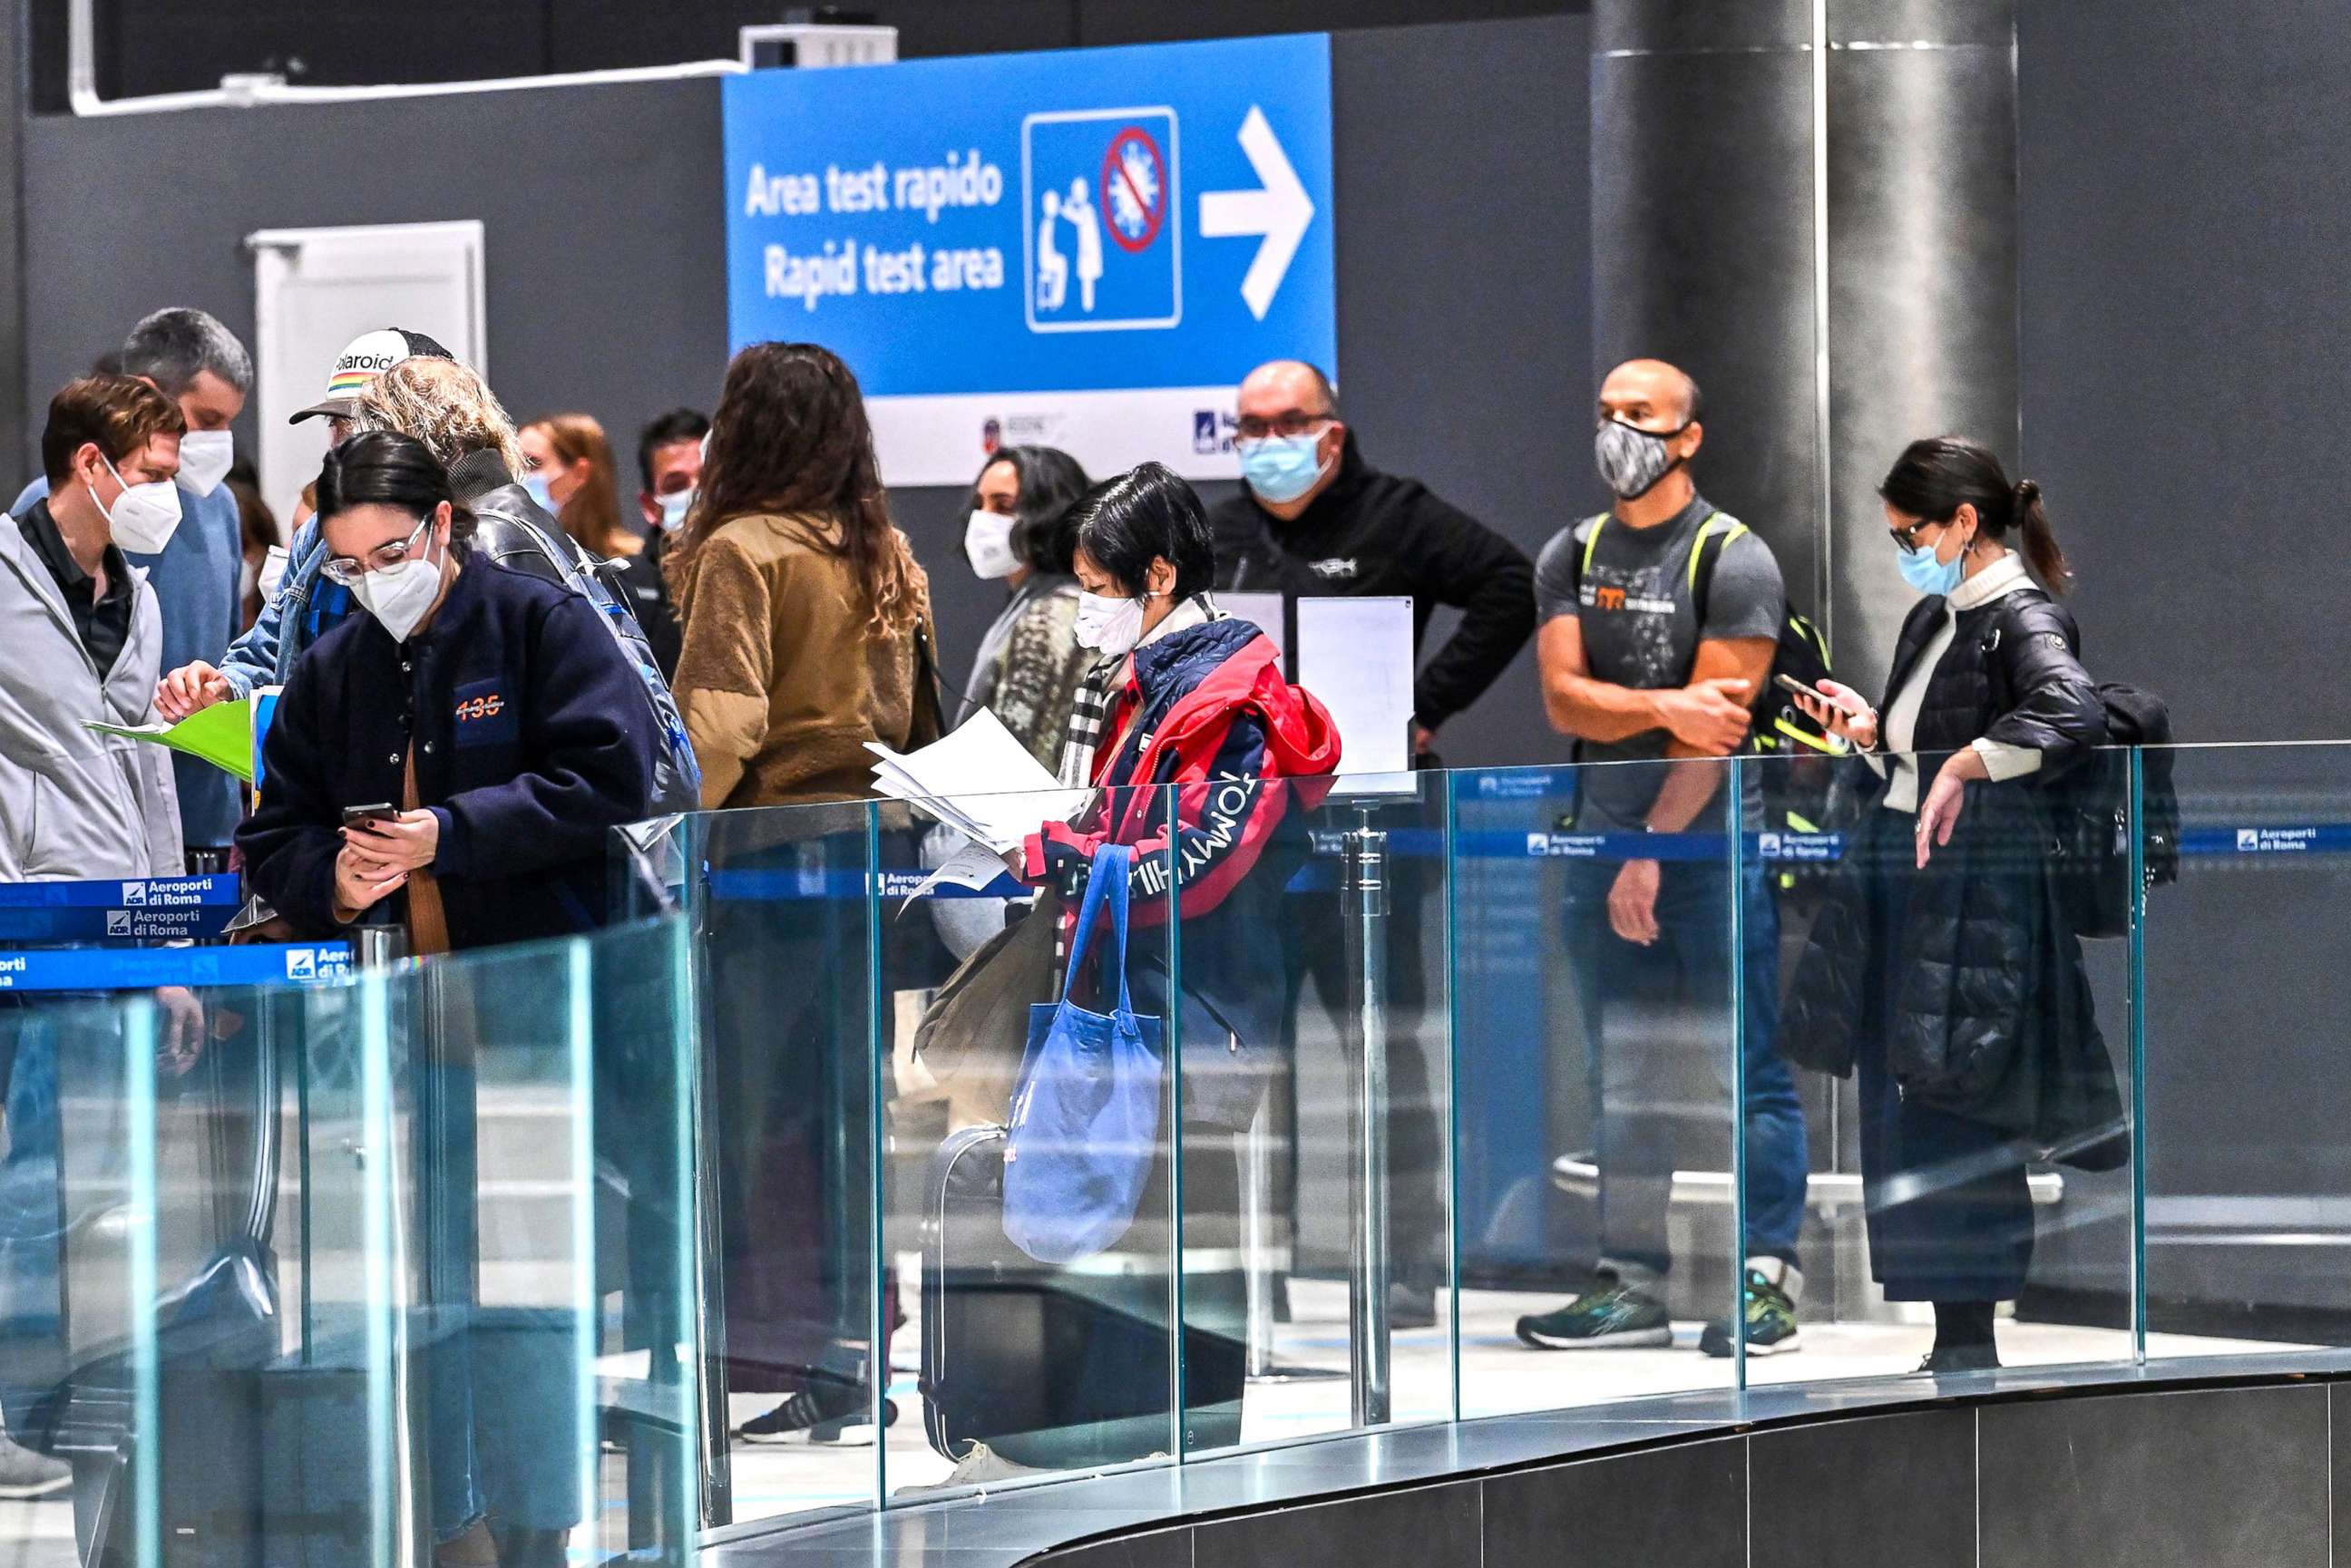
(73, 803)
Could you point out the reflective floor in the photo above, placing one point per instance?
(1498, 1374)
(37, 1533)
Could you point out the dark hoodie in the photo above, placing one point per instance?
(1372, 534)
(1207, 711)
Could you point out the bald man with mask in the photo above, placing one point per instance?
(1651, 655)
(1314, 519)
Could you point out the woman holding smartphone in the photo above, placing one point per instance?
(457, 754)
(1939, 966)
(452, 758)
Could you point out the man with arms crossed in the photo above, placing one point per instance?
(1633, 671)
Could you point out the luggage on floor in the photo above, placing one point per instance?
(1063, 1366)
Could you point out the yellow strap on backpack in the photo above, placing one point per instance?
(1732, 528)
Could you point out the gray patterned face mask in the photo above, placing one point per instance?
(1632, 460)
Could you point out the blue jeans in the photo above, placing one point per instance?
(1650, 1014)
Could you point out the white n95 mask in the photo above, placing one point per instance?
(674, 508)
(144, 517)
(1109, 625)
(205, 459)
(399, 596)
(987, 544)
(272, 573)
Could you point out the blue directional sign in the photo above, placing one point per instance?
(1087, 247)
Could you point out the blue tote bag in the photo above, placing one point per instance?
(1085, 1113)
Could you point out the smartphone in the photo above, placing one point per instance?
(1790, 683)
(383, 811)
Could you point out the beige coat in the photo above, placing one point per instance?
(782, 678)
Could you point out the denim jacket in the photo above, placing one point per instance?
(265, 655)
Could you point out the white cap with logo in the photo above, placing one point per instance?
(364, 359)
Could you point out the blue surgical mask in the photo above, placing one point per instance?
(1922, 572)
(535, 486)
(1280, 468)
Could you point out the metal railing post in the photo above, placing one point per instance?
(1256, 1228)
(378, 947)
(1363, 901)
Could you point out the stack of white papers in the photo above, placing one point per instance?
(982, 783)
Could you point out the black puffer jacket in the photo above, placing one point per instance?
(1993, 1013)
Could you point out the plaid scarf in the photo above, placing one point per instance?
(1089, 714)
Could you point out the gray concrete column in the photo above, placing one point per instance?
(1812, 205)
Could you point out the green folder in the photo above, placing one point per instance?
(221, 734)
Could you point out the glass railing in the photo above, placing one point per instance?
(801, 1189)
(2244, 985)
(353, 1268)
(1490, 1099)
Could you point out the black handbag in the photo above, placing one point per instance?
(2088, 813)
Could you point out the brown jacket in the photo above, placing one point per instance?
(783, 678)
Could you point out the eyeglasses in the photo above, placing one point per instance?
(1907, 538)
(345, 571)
(1296, 422)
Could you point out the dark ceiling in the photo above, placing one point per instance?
(169, 45)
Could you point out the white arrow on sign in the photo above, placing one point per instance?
(1280, 211)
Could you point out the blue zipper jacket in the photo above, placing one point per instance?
(305, 602)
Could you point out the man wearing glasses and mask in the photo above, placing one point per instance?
(1314, 519)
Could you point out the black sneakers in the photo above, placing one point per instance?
(829, 1413)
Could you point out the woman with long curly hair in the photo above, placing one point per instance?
(806, 633)
(806, 619)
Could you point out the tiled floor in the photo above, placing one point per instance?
(37, 1534)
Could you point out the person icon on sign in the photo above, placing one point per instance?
(1052, 267)
(1080, 207)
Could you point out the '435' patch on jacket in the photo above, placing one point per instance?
(1207, 714)
(532, 739)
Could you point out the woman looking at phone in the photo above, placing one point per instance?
(453, 757)
(1939, 966)
(486, 714)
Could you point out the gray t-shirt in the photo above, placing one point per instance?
(1641, 630)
